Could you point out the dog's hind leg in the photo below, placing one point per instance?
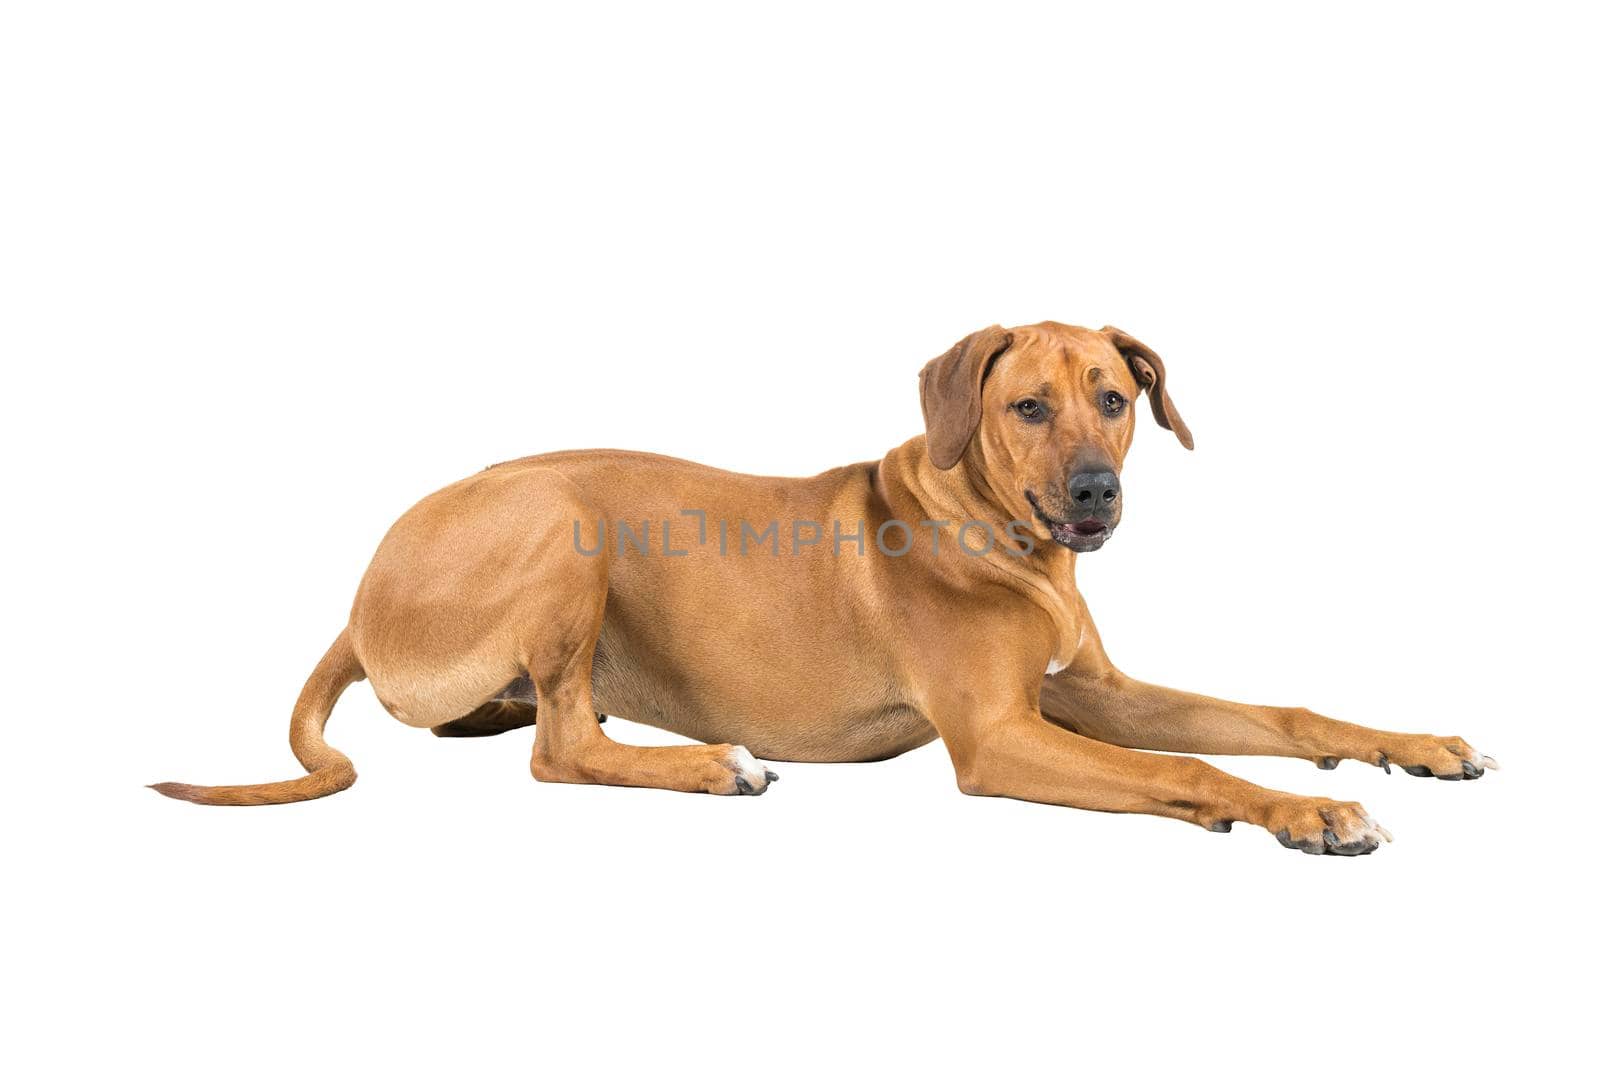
(568, 744)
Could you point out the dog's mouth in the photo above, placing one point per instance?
(1085, 535)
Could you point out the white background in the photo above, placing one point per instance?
(273, 273)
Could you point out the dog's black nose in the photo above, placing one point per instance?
(1093, 489)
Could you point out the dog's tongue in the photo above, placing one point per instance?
(1087, 528)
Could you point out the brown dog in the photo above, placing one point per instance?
(835, 618)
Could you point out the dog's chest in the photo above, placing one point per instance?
(1064, 656)
(1070, 628)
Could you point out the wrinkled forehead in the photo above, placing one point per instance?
(1051, 352)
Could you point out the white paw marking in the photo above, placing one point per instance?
(747, 766)
(1056, 666)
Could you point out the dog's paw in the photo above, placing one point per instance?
(743, 774)
(1427, 756)
(1323, 827)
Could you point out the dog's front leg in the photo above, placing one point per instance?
(1017, 754)
(1095, 699)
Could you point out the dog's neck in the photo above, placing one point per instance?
(914, 490)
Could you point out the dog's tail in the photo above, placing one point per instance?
(330, 770)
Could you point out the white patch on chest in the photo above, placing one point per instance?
(1056, 665)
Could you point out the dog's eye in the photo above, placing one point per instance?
(1030, 410)
(1112, 404)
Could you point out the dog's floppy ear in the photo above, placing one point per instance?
(1152, 377)
(952, 393)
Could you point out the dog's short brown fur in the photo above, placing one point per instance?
(482, 610)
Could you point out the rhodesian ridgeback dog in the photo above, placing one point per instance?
(851, 616)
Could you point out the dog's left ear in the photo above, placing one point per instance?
(952, 393)
(1152, 377)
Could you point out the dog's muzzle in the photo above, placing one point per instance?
(1090, 512)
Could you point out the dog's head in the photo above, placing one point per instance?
(1045, 414)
